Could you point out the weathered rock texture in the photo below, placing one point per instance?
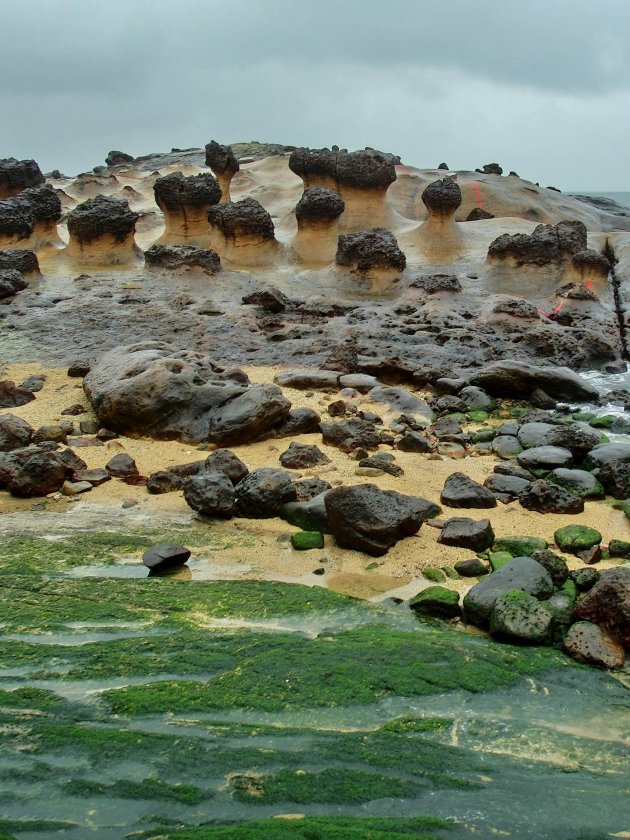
(317, 213)
(18, 175)
(242, 232)
(102, 230)
(223, 162)
(185, 202)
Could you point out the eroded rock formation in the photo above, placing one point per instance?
(243, 232)
(223, 162)
(317, 213)
(185, 202)
(17, 175)
(102, 231)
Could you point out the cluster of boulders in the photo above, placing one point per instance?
(526, 594)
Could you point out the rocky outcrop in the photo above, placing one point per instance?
(117, 158)
(174, 257)
(439, 237)
(373, 253)
(46, 207)
(223, 162)
(11, 282)
(152, 389)
(361, 178)
(317, 213)
(242, 232)
(518, 380)
(185, 202)
(102, 231)
(21, 260)
(18, 175)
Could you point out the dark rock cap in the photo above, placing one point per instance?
(19, 174)
(432, 283)
(492, 169)
(100, 216)
(16, 218)
(21, 260)
(319, 204)
(11, 282)
(374, 248)
(443, 196)
(478, 213)
(220, 158)
(547, 243)
(591, 260)
(44, 202)
(174, 191)
(365, 169)
(242, 217)
(114, 158)
(177, 256)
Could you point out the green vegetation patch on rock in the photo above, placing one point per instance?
(307, 540)
(436, 601)
(575, 538)
(520, 546)
(521, 617)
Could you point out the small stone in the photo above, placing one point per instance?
(590, 556)
(436, 601)
(307, 540)
(121, 466)
(73, 488)
(89, 427)
(75, 409)
(165, 556)
(474, 567)
(584, 578)
(619, 548)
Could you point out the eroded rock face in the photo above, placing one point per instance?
(17, 221)
(173, 257)
(547, 244)
(242, 232)
(185, 201)
(103, 228)
(11, 282)
(18, 175)
(317, 213)
(151, 388)
(518, 379)
(442, 198)
(223, 162)
(374, 249)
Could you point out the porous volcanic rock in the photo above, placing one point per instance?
(607, 604)
(17, 221)
(370, 249)
(546, 497)
(223, 162)
(151, 388)
(364, 169)
(242, 218)
(20, 259)
(15, 433)
(351, 434)
(442, 198)
(17, 175)
(318, 206)
(301, 456)
(226, 463)
(177, 192)
(460, 491)
(101, 216)
(434, 283)
(546, 244)
(591, 263)
(368, 519)
(115, 158)
(263, 493)
(45, 203)
(477, 535)
(615, 477)
(211, 494)
(178, 256)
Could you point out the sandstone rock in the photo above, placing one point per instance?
(376, 248)
(547, 244)
(173, 257)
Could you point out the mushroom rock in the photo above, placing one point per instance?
(242, 233)
(17, 175)
(317, 213)
(17, 222)
(492, 169)
(439, 236)
(102, 231)
(46, 207)
(590, 265)
(173, 257)
(24, 261)
(373, 253)
(223, 162)
(362, 179)
(547, 244)
(185, 201)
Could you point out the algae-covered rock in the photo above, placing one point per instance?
(579, 483)
(473, 567)
(520, 617)
(619, 548)
(520, 573)
(575, 538)
(555, 565)
(434, 574)
(499, 558)
(520, 546)
(306, 540)
(436, 601)
(584, 578)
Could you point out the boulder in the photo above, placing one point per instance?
(435, 283)
(520, 546)
(506, 488)
(604, 453)
(245, 218)
(615, 477)
(578, 482)
(306, 380)
(300, 421)
(575, 538)
(226, 463)
(211, 494)
(584, 578)
(520, 573)
(121, 466)
(506, 446)
(531, 433)
(460, 491)
(473, 567)
(153, 389)
(414, 442)
(115, 158)
(375, 248)
(11, 282)
(263, 493)
(165, 556)
(512, 379)
(519, 617)
(460, 531)
(19, 259)
(575, 437)
(173, 257)
(371, 520)
(351, 434)
(301, 456)
(40, 474)
(382, 461)
(592, 645)
(545, 497)
(12, 395)
(545, 458)
(17, 220)
(436, 602)
(15, 432)
(607, 604)
(271, 300)
(18, 175)
(310, 513)
(102, 216)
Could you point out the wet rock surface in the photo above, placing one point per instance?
(173, 257)
(371, 249)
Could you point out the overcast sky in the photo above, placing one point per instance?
(541, 86)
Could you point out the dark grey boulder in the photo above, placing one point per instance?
(368, 519)
(102, 216)
(301, 456)
(579, 483)
(164, 481)
(414, 442)
(604, 453)
(11, 282)
(477, 535)
(545, 458)
(506, 446)
(165, 556)
(575, 437)
(211, 494)
(382, 461)
(460, 491)
(530, 434)
(546, 497)
(19, 259)
(513, 469)
(519, 573)
(263, 493)
(547, 244)
(221, 159)
(506, 488)
(607, 604)
(121, 466)
(615, 477)
(151, 388)
(17, 219)
(351, 434)
(300, 421)
(40, 474)
(519, 617)
(473, 567)
(115, 158)
(318, 204)
(308, 488)
(518, 379)
(226, 463)
(18, 175)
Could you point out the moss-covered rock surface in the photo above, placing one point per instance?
(152, 707)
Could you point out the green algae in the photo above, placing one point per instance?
(149, 788)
